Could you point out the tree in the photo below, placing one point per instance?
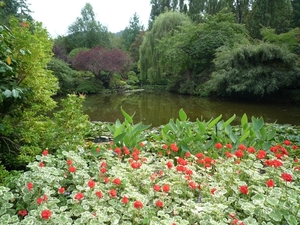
(29, 87)
(149, 55)
(103, 63)
(188, 54)
(296, 13)
(253, 71)
(14, 8)
(130, 32)
(275, 14)
(86, 31)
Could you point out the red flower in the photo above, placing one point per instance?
(69, 162)
(125, 199)
(136, 165)
(270, 183)
(106, 180)
(142, 144)
(117, 181)
(287, 142)
(159, 204)
(99, 194)
(103, 170)
(169, 165)
(173, 147)
(287, 177)
(199, 155)
(213, 190)
(229, 146)
(239, 153)
(22, 212)
(244, 189)
(261, 154)
(113, 193)
(218, 145)
(242, 147)
(138, 204)
(228, 154)
(192, 185)
(45, 152)
(187, 154)
(72, 169)
(79, 196)
(156, 187)
(91, 184)
(251, 149)
(295, 147)
(166, 188)
(182, 162)
(30, 186)
(39, 201)
(61, 190)
(118, 151)
(46, 214)
(41, 164)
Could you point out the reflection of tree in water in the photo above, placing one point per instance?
(158, 107)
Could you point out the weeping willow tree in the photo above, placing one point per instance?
(149, 55)
(253, 71)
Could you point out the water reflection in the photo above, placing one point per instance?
(157, 107)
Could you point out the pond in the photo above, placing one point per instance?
(158, 107)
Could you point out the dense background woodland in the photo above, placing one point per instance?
(246, 49)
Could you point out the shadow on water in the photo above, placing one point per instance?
(158, 107)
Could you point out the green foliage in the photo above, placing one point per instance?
(276, 14)
(65, 75)
(86, 32)
(149, 55)
(187, 54)
(253, 70)
(127, 133)
(75, 51)
(289, 39)
(131, 32)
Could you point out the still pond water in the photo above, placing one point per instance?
(157, 108)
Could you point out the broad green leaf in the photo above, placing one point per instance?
(233, 137)
(7, 93)
(225, 124)
(119, 138)
(244, 120)
(182, 115)
(276, 215)
(126, 115)
(173, 127)
(271, 135)
(15, 93)
(291, 219)
(213, 122)
(257, 123)
(245, 135)
(201, 125)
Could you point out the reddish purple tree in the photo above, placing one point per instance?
(102, 62)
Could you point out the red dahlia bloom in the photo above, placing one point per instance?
(261, 154)
(69, 162)
(138, 204)
(239, 153)
(91, 184)
(72, 169)
(166, 188)
(156, 187)
(173, 147)
(244, 189)
(61, 190)
(169, 165)
(45, 152)
(22, 212)
(242, 147)
(113, 193)
(218, 145)
(125, 200)
(229, 146)
(30, 186)
(159, 204)
(270, 183)
(41, 164)
(136, 165)
(46, 214)
(79, 196)
(287, 142)
(99, 194)
(287, 177)
(39, 201)
(213, 190)
(117, 181)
